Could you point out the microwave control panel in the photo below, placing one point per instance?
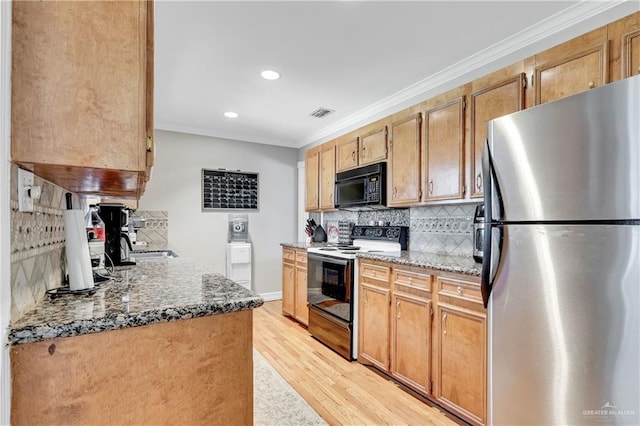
(373, 189)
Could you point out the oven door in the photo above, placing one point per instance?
(330, 285)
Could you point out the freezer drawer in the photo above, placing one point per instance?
(564, 326)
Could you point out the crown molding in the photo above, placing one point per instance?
(171, 127)
(550, 26)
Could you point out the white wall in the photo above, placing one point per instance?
(202, 236)
(5, 167)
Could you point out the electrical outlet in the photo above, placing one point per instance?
(25, 183)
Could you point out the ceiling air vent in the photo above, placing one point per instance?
(321, 112)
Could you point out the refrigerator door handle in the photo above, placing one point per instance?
(490, 184)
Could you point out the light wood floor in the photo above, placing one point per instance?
(342, 392)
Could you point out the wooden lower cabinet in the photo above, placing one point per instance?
(301, 311)
(373, 314)
(461, 346)
(427, 329)
(294, 284)
(411, 329)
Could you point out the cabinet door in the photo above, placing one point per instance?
(410, 341)
(347, 153)
(631, 54)
(79, 105)
(149, 58)
(301, 308)
(288, 289)
(404, 162)
(327, 176)
(373, 330)
(572, 67)
(624, 43)
(444, 151)
(461, 376)
(489, 101)
(373, 146)
(312, 172)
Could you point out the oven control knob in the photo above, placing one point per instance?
(393, 232)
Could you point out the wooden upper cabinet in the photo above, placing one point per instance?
(373, 146)
(347, 153)
(312, 177)
(624, 36)
(443, 147)
(572, 67)
(364, 146)
(82, 87)
(493, 96)
(327, 175)
(404, 161)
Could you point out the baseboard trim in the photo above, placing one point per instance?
(268, 297)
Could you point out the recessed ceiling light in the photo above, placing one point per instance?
(270, 74)
(231, 114)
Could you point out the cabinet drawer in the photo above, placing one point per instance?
(412, 279)
(301, 257)
(459, 289)
(377, 272)
(288, 255)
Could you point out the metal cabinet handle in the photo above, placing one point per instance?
(353, 155)
(362, 155)
(591, 85)
(479, 181)
(430, 186)
(395, 191)
(444, 323)
(459, 290)
(411, 280)
(398, 307)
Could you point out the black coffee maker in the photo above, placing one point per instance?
(116, 217)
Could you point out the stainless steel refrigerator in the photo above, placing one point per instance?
(561, 267)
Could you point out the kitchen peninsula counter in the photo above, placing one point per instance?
(169, 342)
(152, 291)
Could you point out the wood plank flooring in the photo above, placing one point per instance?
(342, 392)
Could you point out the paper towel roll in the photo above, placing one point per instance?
(77, 251)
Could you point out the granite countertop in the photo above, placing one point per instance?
(152, 291)
(441, 262)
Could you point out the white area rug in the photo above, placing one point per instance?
(275, 402)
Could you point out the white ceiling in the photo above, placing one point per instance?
(355, 57)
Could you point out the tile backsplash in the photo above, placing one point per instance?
(156, 229)
(446, 229)
(37, 245)
(38, 242)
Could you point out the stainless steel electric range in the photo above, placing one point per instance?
(332, 278)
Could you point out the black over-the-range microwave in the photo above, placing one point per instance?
(362, 187)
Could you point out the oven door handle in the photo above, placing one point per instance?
(328, 259)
